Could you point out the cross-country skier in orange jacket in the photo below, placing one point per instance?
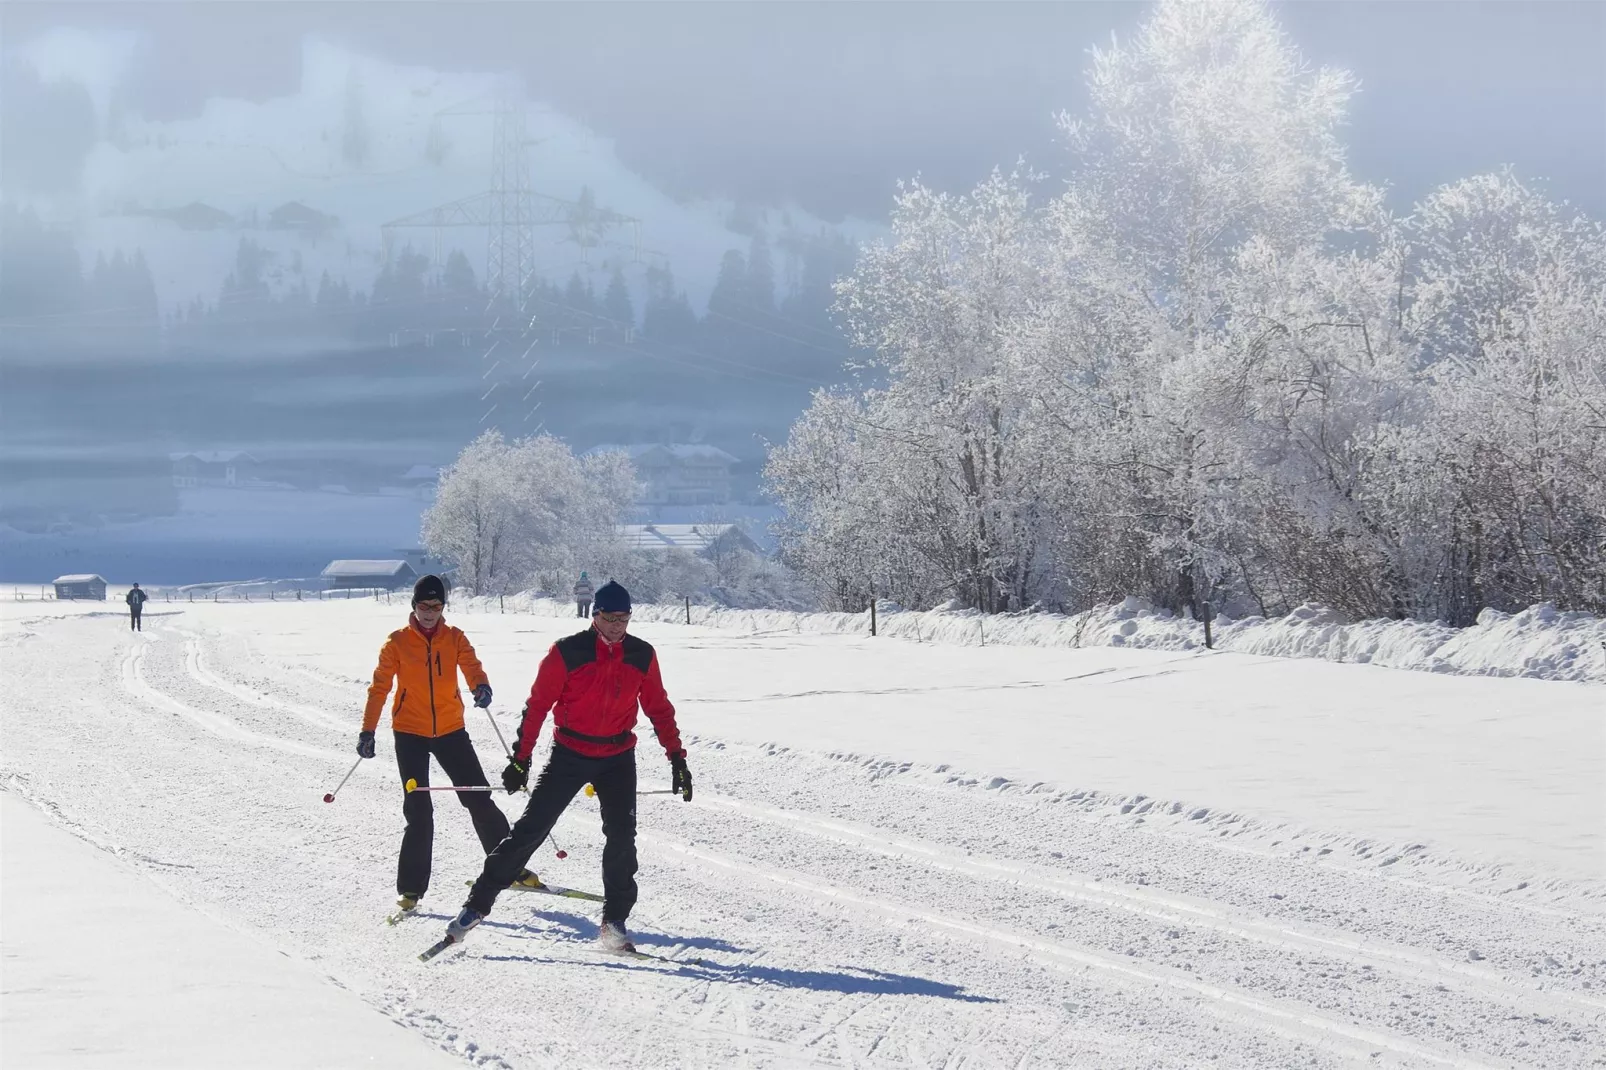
(421, 660)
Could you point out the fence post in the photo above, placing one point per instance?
(872, 610)
(501, 602)
(1205, 608)
(688, 609)
(298, 594)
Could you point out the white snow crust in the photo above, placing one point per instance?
(900, 853)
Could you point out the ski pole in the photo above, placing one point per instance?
(330, 796)
(413, 785)
(591, 792)
(498, 730)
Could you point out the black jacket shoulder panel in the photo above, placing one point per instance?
(638, 653)
(577, 649)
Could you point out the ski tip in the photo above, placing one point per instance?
(411, 785)
(436, 949)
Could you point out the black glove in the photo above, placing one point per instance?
(482, 696)
(365, 744)
(682, 776)
(515, 776)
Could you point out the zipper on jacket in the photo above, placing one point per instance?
(429, 648)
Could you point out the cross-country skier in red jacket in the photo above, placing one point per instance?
(595, 679)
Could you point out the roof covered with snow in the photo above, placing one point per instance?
(79, 577)
(683, 451)
(691, 537)
(358, 567)
(213, 456)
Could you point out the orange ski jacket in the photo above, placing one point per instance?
(424, 670)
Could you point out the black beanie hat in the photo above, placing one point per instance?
(611, 598)
(429, 588)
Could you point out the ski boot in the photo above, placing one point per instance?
(460, 925)
(612, 937)
(405, 905)
(527, 882)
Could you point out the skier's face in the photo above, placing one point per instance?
(428, 613)
(611, 626)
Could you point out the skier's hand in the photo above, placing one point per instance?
(482, 696)
(682, 776)
(515, 776)
(365, 744)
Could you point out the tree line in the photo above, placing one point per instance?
(1211, 366)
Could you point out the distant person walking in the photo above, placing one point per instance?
(136, 603)
(582, 596)
(423, 659)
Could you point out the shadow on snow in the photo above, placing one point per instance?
(571, 930)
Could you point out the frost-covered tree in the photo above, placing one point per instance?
(528, 513)
(938, 305)
(1209, 151)
(1510, 305)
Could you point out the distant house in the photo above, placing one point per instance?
(704, 540)
(81, 585)
(293, 215)
(214, 468)
(387, 575)
(678, 473)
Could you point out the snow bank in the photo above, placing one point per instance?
(1541, 642)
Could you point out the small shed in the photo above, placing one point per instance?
(81, 585)
(387, 575)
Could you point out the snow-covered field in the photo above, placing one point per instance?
(901, 853)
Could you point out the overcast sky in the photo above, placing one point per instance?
(829, 103)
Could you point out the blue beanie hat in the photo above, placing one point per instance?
(611, 598)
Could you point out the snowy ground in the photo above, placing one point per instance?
(110, 972)
(901, 853)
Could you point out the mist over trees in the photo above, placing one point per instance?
(1210, 365)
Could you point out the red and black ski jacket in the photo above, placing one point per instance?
(593, 690)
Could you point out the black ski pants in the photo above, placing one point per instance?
(133, 619)
(462, 765)
(565, 774)
(582, 608)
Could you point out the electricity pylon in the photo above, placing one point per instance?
(510, 210)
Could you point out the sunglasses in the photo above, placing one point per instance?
(430, 607)
(613, 618)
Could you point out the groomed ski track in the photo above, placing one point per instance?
(844, 909)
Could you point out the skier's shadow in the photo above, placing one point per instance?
(565, 928)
